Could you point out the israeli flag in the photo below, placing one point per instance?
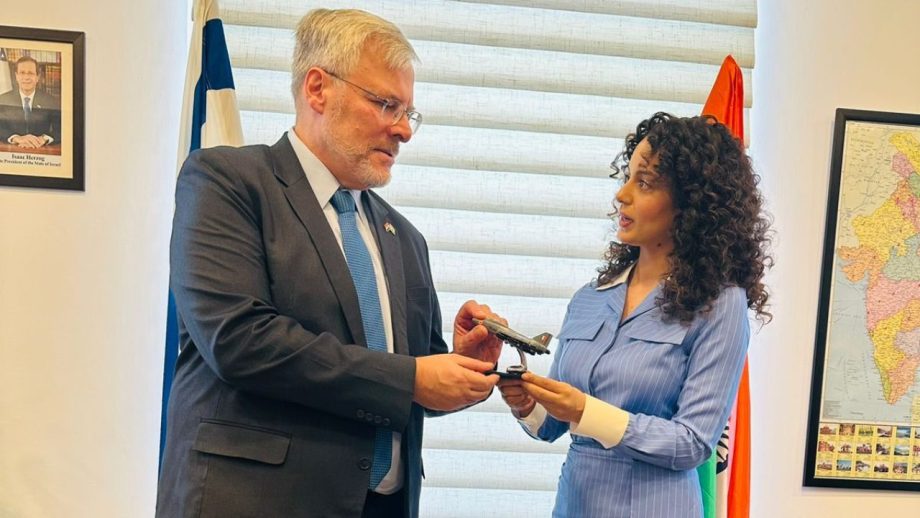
(210, 117)
(210, 114)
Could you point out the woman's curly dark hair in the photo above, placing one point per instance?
(721, 233)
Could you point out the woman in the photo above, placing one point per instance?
(650, 353)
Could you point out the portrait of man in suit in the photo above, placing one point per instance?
(29, 117)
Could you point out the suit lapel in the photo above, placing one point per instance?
(300, 195)
(391, 252)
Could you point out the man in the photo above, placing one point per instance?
(283, 403)
(29, 118)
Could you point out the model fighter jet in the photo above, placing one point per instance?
(523, 344)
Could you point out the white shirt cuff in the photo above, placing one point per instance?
(602, 422)
(534, 420)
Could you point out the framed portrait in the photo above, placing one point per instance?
(41, 108)
(864, 416)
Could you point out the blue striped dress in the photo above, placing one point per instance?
(677, 383)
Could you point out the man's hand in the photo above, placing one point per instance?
(449, 381)
(516, 397)
(561, 400)
(28, 141)
(474, 340)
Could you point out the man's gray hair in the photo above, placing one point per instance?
(334, 39)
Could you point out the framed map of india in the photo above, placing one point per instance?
(864, 417)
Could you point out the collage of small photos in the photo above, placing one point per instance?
(868, 452)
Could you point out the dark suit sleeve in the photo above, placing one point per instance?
(54, 125)
(51, 106)
(10, 113)
(438, 345)
(221, 286)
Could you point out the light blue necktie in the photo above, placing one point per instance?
(362, 273)
(27, 107)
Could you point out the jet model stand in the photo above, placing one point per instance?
(523, 344)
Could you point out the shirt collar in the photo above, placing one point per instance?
(322, 181)
(624, 275)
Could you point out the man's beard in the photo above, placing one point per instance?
(337, 140)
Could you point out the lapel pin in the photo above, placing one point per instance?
(389, 227)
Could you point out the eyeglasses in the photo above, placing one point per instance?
(390, 109)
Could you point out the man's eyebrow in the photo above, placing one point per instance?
(403, 103)
(395, 98)
(396, 101)
(391, 97)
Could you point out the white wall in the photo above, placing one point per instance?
(83, 277)
(813, 57)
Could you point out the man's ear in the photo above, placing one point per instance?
(314, 89)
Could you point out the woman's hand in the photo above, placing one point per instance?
(520, 403)
(561, 400)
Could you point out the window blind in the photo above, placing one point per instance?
(525, 104)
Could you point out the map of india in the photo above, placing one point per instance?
(868, 427)
(878, 249)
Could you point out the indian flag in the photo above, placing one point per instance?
(725, 480)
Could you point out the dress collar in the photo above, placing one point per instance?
(624, 275)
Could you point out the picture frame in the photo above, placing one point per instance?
(864, 415)
(42, 77)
